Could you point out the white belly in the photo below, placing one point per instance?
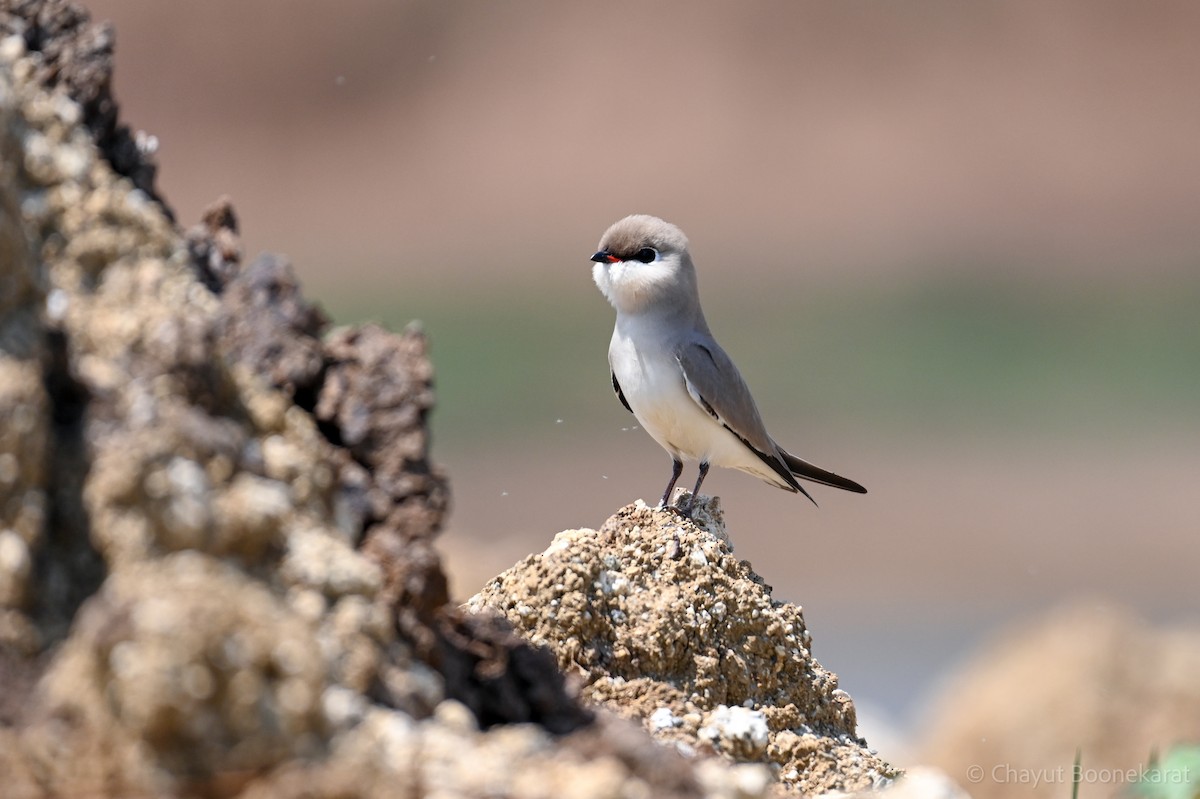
(652, 382)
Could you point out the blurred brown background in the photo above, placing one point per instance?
(953, 246)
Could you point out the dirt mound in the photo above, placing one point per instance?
(664, 625)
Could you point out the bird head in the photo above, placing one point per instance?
(643, 263)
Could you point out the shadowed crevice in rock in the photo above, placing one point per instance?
(50, 566)
(68, 568)
(500, 677)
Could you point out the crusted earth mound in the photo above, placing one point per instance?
(665, 625)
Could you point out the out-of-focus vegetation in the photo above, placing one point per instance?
(951, 357)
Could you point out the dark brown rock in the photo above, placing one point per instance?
(375, 400)
(268, 327)
(214, 247)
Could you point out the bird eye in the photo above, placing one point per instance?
(646, 255)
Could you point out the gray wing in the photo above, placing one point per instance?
(716, 385)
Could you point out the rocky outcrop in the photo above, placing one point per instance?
(216, 515)
(218, 575)
(665, 625)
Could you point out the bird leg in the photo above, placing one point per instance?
(676, 470)
(687, 509)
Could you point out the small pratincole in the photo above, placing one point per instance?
(670, 372)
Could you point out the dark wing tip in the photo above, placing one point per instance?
(846, 484)
(620, 393)
(802, 468)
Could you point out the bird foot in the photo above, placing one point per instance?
(682, 505)
(683, 513)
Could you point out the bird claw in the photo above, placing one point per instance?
(683, 508)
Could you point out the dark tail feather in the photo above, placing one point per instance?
(802, 468)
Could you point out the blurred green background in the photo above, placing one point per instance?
(954, 248)
(946, 358)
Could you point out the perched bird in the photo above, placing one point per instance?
(670, 372)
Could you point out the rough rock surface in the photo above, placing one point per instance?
(663, 624)
(217, 575)
(77, 56)
(1089, 676)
